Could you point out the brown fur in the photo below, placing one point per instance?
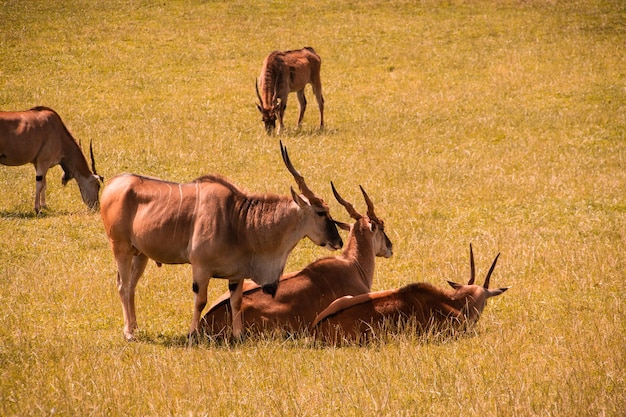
(431, 308)
(304, 294)
(39, 136)
(285, 72)
(212, 225)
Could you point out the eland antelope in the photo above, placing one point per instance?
(222, 231)
(302, 295)
(433, 308)
(39, 136)
(283, 73)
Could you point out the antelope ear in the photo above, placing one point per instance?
(496, 291)
(454, 285)
(342, 225)
(259, 107)
(298, 199)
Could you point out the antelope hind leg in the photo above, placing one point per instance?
(129, 270)
(302, 102)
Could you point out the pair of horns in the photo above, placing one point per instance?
(350, 208)
(473, 269)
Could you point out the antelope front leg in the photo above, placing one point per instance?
(236, 297)
(281, 113)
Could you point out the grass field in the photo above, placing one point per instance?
(500, 123)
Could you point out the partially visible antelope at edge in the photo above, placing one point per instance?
(432, 308)
(285, 72)
(39, 136)
(222, 231)
(302, 295)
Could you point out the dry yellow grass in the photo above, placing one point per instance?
(502, 124)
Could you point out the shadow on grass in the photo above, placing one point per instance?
(178, 341)
(28, 214)
(388, 335)
(161, 339)
(256, 339)
(19, 214)
(307, 131)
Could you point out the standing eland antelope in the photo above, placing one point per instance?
(432, 308)
(283, 73)
(39, 136)
(209, 223)
(304, 294)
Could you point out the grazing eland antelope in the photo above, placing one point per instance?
(283, 73)
(304, 294)
(357, 318)
(39, 136)
(222, 231)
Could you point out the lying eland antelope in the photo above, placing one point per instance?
(283, 73)
(222, 231)
(39, 136)
(304, 294)
(357, 318)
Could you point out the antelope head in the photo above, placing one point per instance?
(268, 114)
(90, 192)
(475, 295)
(322, 229)
(376, 226)
(89, 185)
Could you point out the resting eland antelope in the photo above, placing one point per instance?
(283, 73)
(39, 136)
(357, 318)
(222, 231)
(304, 294)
